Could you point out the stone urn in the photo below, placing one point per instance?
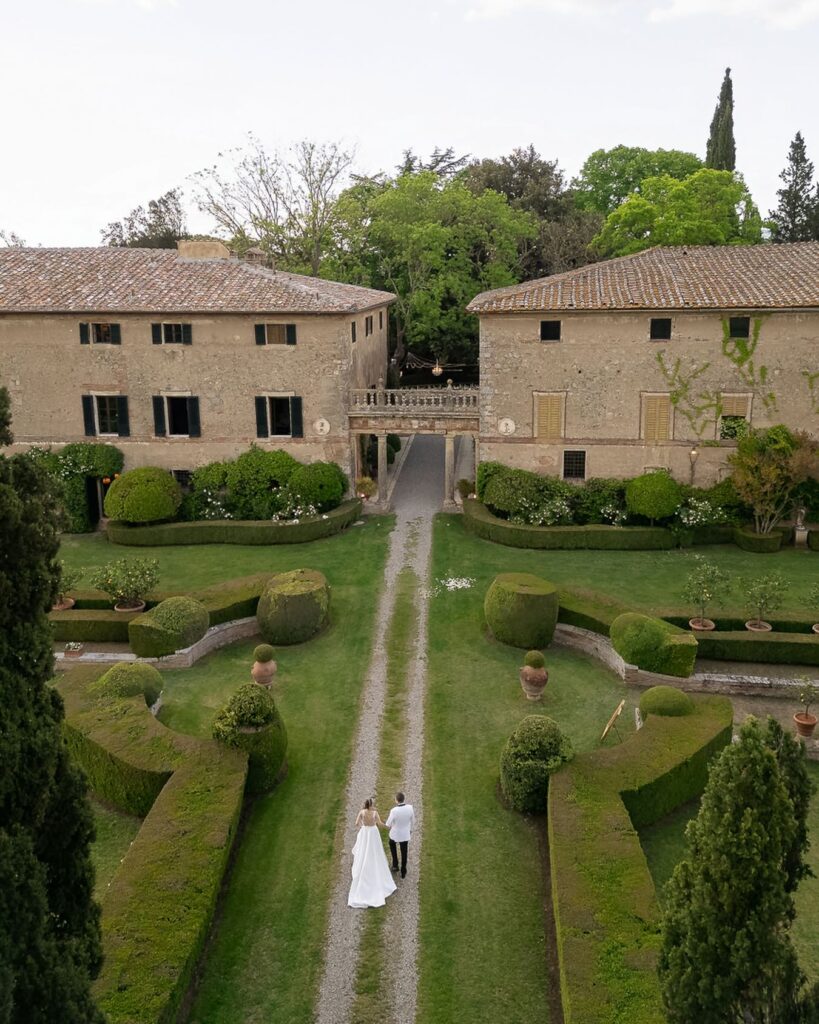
(702, 625)
(264, 667)
(534, 675)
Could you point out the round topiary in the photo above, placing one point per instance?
(251, 721)
(654, 495)
(173, 625)
(293, 607)
(129, 679)
(534, 659)
(321, 484)
(535, 750)
(147, 494)
(667, 701)
(263, 653)
(521, 610)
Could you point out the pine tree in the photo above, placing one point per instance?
(721, 150)
(49, 925)
(727, 956)
(795, 217)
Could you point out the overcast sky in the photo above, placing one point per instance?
(109, 103)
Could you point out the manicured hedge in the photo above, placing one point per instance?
(91, 625)
(588, 611)
(666, 700)
(173, 625)
(521, 610)
(770, 648)
(606, 910)
(222, 531)
(653, 644)
(813, 540)
(715, 533)
(294, 606)
(763, 543)
(736, 623)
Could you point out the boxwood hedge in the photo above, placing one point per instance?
(813, 540)
(653, 644)
(762, 543)
(770, 648)
(173, 625)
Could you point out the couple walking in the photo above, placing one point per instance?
(372, 882)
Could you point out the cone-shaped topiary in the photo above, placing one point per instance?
(173, 625)
(521, 610)
(667, 701)
(147, 494)
(128, 679)
(535, 750)
(251, 721)
(293, 606)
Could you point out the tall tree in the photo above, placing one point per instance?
(442, 162)
(795, 217)
(160, 226)
(49, 925)
(609, 176)
(12, 240)
(727, 956)
(721, 150)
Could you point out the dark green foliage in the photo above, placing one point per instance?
(595, 495)
(653, 645)
(606, 908)
(91, 625)
(726, 949)
(534, 659)
(160, 226)
(721, 151)
(609, 176)
(792, 759)
(321, 484)
(255, 480)
(147, 494)
(654, 495)
(173, 625)
(807, 495)
(49, 925)
(813, 540)
(293, 607)
(486, 471)
(534, 751)
(515, 492)
(769, 648)
(69, 467)
(6, 436)
(229, 532)
(251, 722)
(795, 217)
(263, 653)
(521, 610)
(129, 679)
(750, 540)
(665, 700)
(589, 611)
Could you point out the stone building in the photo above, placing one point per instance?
(182, 358)
(653, 360)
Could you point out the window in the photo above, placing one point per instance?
(275, 334)
(656, 417)
(171, 334)
(549, 416)
(550, 330)
(105, 415)
(182, 477)
(574, 465)
(176, 416)
(381, 319)
(100, 334)
(660, 328)
(352, 331)
(734, 416)
(279, 416)
(739, 327)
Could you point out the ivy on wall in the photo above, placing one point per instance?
(70, 466)
(740, 352)
(699, 409)
(812, 380)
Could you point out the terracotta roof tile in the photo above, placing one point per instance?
(696, 277)
(160, 281)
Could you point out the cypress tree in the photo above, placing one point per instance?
(794, 219)
(721, 150)
(49, 925)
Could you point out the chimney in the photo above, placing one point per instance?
(258, 257)
(202, 250)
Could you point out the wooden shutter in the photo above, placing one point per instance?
(194, 424)
(262, 425)
(116, 335)
(88, 415)
(290, 334)
(123, 423)
(85, 334)
(187, 334)
(657, 417)
(261, 334)
(156, 334)
(159, 415)
(296, 420)
(549, 416)
(734, 405)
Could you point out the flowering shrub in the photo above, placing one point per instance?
(211, 506)
(294, 509)
(613, 515)
(552, 512)
(700, 512)
(127, 580)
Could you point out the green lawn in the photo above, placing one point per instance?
(664, 845)
(482, 942)
(115, 833)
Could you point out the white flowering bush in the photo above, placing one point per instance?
(613, 515)
(211, 506)
(552, 512)
(294, 509)
(700, 512)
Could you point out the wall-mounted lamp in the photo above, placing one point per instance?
(437, 369)
(693, 455)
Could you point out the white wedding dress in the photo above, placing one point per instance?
(372, 880)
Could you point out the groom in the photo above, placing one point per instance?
(400, 821)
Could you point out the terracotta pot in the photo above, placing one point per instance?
(74, 654)
(805, 724)
(263, 672)
(69, 602)
(758, 626)
(702, 625)
(815, 627)
(533, 681)
(124, 606)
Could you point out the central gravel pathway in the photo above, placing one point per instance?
(417, 497)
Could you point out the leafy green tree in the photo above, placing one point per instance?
(795, 217)
(707, 208)
(721, 150)
(49, 925)
(727, 956)
(610, 176)
(161, 226)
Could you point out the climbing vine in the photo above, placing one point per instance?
(813, 388)
(700, 409)
(740, 352)
(70, 466)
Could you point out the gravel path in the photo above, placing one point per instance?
(417, 497)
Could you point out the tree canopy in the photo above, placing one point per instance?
(160, 226)
(796, 217)
(610, 176)
(721, 150)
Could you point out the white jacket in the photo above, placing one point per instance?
(400, 821)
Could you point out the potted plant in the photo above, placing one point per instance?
(813, 600)
(764, 594)
(69, 578)
(264, 667)
(805, 721)
(705, 583)
(128, 581)
(365, 487)
(73, 649)
(534, 675)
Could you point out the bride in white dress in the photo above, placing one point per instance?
(372, 880)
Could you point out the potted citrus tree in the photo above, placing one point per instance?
(69, 578)
(705, 584)
(764, 594)
(805, 721)
(128, 581)
(264, 667)
(534, 675)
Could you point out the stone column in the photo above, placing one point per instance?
(449, 472)
(382, 471)
(477, 460)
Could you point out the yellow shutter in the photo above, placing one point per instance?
(657, 417)
(735, 405)
(549, 417)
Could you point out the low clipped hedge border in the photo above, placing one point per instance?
(813, 540)
(227, 531)
(152, 938)
(773, 648)
(606, 910)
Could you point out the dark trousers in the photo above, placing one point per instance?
(394, 851)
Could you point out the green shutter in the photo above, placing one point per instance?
(116, 336)
(262, 425)
(187, 334)
(194, 425)
(290, 334)
(296, 419)
(159, 415)
(124, 426)
(88, 415)
(261, 334)
(85, 336)
(156, 334)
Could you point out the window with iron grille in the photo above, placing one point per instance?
(574, 465)
(550, 330)
(183, 478)
(660, 328)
